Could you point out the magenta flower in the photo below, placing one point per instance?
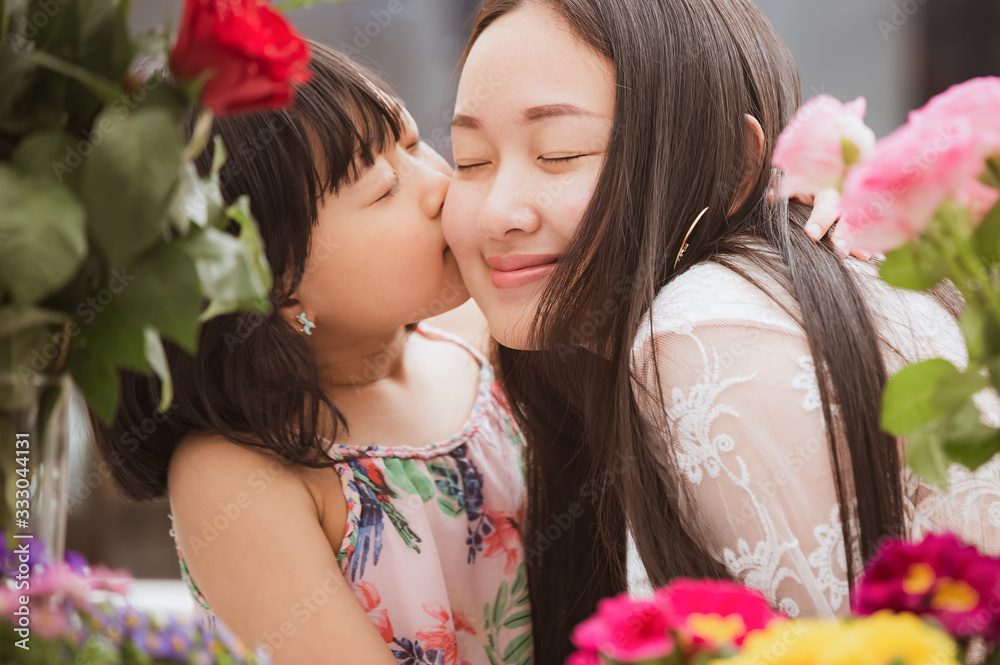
(939, 578)
(584, 658)
(626, 629)
(715, 614)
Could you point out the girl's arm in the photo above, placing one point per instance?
(252, 538)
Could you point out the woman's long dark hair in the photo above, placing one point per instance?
(686, 72)
(254, 379)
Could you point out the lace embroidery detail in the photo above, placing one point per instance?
(691, 416)
(831, 548)
(807, 381)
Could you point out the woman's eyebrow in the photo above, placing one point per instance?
(529, 116)
(536, 113)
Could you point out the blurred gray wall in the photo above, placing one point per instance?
(856, 47)
(846, 48)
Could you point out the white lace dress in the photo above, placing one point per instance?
(746, 423)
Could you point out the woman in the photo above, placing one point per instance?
(672, 345)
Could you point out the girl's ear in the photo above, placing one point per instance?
(754, 152)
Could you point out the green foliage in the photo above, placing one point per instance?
(110, 241)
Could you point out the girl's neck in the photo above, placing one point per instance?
(356, 363)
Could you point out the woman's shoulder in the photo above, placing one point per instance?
(713, 294)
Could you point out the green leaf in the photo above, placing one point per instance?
(45, 156)
(42, 236)
(157, 359)
(906, 402)
(986, 238)
(912, 266)
(105, 90)
(925, 454)
(520, 579)
(971, 322)
(129, 180)
(517, 648)
(449, 508)
(110, 341)
(500, 603)
(165, 293)
(227, 269)
(405, 473)
(253, 276)
(518, 619)
(15, 76)
(953, 391)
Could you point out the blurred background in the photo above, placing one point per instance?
(896, 53)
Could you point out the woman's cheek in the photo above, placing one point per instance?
(458, 221)
(573, 204)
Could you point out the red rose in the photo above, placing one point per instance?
(253, 53)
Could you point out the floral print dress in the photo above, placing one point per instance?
(432, 548)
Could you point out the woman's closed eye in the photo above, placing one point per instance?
(470, 166)
(559, 160)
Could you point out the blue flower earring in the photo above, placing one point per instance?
(307, 325)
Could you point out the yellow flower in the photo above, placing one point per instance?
(884, 638)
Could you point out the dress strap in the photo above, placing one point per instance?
(427, 329)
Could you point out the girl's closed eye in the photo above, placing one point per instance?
(393, 188)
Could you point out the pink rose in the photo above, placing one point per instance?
(625, 629)
(978, 101)
(893, 195)
(820, 144)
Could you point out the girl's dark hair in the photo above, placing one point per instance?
(254, 379)
(686, 72)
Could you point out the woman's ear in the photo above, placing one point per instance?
(754, 135)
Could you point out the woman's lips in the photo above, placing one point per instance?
(513, 271)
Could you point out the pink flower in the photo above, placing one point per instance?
(978, 101)
(715, 614)
(939, 578)
(368, 596)
(893, 195)
(440, 636)
(504, 540)
(584, 658)
(625, 629)
(822, 141)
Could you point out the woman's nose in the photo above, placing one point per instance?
(508, 207)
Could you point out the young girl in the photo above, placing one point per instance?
(674, 348)
(345, 484)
